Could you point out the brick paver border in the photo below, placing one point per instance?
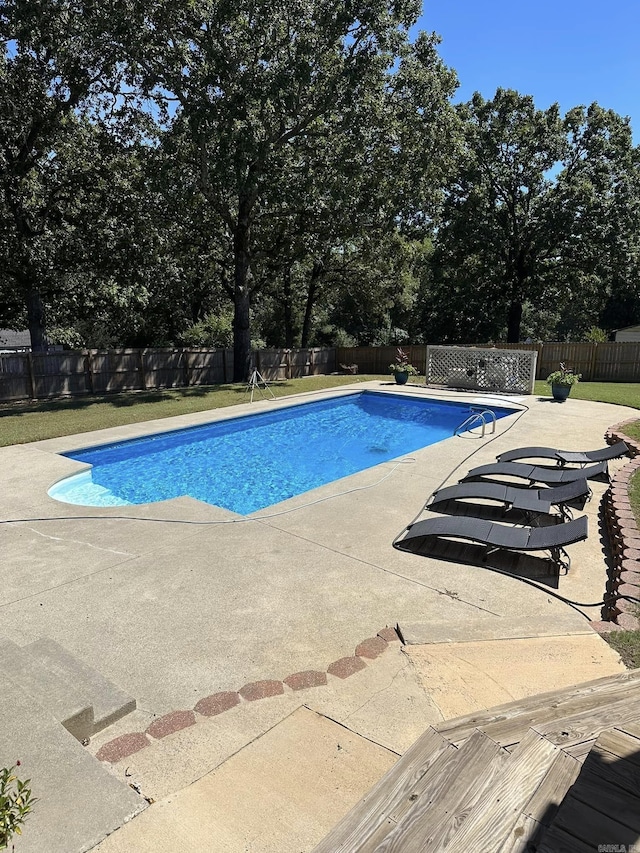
(125, 745)
(624, 536)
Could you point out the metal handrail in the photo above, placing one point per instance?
(478, 416)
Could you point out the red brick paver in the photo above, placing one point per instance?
(308, 678)
(371, 648)
(121, 747)
(261, 690)
(630, 578)
(170, 723)
(215, 704)
(606, 627)
(389, 634)
(632, 554)
(627, 622)
(345, 667)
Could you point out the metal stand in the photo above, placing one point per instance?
(256, 381)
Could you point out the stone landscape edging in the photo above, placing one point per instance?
(618, 614)
(210, 706)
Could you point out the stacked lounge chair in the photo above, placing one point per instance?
(563, 457)
(562, 486)
(531, 502)
(537, 473)
(552, 538)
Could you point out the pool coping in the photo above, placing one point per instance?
(300, 401)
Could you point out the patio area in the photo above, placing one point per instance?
(179, 601)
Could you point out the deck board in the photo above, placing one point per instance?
(444, 804)
(504, 779)
(603, 805)
(631, 728)
(580, 726)
(592, 827)
(495, 814)
(525, 836)
(556, 840)
(540, 811)
(505, 722)
(603, 796)
(612, 769)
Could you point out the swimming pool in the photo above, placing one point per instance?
(248, 463)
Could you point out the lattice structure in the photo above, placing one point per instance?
(481, 369)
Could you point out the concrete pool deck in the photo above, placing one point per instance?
(174, 606)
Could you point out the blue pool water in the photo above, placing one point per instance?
(248, 463)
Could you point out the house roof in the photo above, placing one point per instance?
(628, 328)
(12, 339)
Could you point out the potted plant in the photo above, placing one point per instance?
(561, 382)
(402, 368)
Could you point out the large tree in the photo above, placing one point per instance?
(596, 217)
(494, 240)
(540, 219)
(56, 61)
(260, 89)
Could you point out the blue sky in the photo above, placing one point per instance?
(570, 51)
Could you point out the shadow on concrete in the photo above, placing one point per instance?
(543, 570)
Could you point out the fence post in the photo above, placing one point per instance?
(143, 378)
(32, 383)
(88, 369)
(593, 360)
(185, 364)
(224, 365)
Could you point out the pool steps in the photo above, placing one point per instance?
(75, 694)
(78, 801)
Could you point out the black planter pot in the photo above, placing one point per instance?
(401, 377)
(560, 392)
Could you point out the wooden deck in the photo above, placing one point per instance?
(556, 772)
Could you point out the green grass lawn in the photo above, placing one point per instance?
(618, 393)
(33, 421)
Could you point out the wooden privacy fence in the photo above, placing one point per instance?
(41, 375)
(55, 374)
(614, 361)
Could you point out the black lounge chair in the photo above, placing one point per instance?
(562, 457)
(536, 473)
(497, 536)
(532, 502)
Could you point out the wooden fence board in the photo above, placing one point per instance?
(300, 363)
(272, 364)
(14, 377)
(617, 362)
(162, 368)
(209, 367)
(610, 361)
(324, 361)
(42, 375)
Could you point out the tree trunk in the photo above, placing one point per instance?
(35, 315)
(513, 322)
(242, 297)
(241, 337)
(316, 272)
(288, 318)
